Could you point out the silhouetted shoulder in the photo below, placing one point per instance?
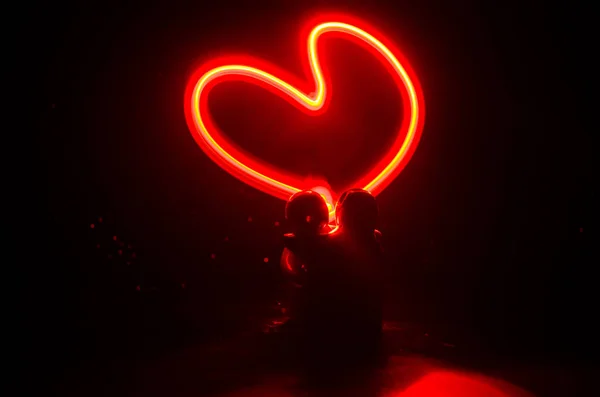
(378, 235)
(378, 239)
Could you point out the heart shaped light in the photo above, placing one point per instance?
(281, 184)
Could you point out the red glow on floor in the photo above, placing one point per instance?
(403, 377)
(278, 183)
(457, 384)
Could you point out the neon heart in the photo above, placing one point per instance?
(281, 184)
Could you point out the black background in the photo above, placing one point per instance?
(487, 229)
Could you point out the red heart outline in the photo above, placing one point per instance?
(278, 183)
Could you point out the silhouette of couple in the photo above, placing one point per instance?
(337, 272)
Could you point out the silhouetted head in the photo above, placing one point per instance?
(357, 211)
(306, 212)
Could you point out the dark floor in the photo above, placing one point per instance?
(258, 364)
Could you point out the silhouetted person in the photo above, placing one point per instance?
(359, 244)
(307, 215)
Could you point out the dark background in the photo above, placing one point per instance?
(487, 229)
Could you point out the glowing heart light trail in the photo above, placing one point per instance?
(280, 184)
